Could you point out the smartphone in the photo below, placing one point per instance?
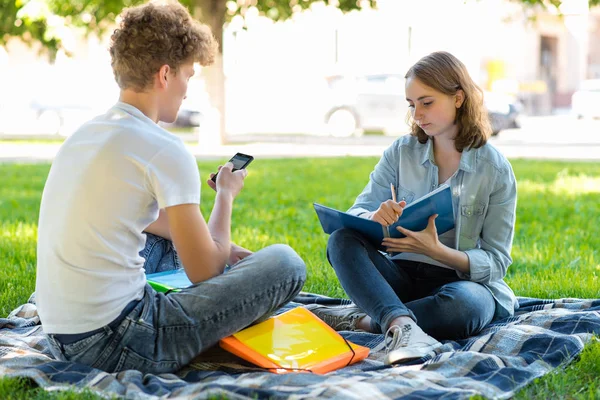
(239, 161)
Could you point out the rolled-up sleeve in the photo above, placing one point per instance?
(491, 260)
(378, 188)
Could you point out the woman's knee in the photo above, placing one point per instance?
(470, 308)
(338, 244)
(342, 238)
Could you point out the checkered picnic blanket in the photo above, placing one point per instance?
(507, 355)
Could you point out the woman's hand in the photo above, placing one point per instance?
(424, 242)
(388, 212)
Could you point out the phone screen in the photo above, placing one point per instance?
(239, 161)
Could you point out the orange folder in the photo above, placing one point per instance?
(294, 341)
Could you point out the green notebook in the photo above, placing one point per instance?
(168, 280)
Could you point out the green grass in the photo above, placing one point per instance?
(556, 249)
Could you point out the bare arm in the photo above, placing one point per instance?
(455, 258)
(160, 227)
(204, 248)
(202, 253)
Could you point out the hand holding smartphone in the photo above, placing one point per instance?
(239, 161)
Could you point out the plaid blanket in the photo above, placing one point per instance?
(507, 355)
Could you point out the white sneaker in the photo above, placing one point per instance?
(404, 344)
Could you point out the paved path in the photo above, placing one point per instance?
(560, 138)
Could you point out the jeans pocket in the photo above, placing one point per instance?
(86, 350)
(129, 359)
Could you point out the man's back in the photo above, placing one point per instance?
(104, 188)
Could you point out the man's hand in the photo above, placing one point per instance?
(388, 212)
(228, 180)
(424, 242)
(237, 254)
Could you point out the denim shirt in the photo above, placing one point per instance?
(484, 193)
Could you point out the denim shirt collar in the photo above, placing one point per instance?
(468, 158)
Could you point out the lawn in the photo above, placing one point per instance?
(556, 249)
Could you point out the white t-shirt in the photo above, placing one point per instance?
(106, 185)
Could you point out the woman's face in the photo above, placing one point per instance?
(433, 111)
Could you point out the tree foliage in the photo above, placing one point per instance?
(552, 3)
(43, 20)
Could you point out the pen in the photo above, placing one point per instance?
(393, 190)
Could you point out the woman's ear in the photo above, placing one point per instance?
(459, 98)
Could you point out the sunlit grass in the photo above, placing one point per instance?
(556, 248)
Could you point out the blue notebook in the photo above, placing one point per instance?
(414, 217)
(169, 280)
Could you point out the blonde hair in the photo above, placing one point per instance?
(447, 74)
(154, 34)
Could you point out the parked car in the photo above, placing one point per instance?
(366, 103)
(193, 107)
(39, 117)
(585, 102)
(61, 118)
(504, 111)
(188, 116)
(377, 103)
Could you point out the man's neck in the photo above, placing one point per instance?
(144, 101)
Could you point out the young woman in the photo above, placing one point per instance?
(448, 286)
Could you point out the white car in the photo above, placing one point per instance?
(586, 101)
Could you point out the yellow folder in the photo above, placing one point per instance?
(294, 341)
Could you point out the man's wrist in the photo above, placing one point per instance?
(225, 195)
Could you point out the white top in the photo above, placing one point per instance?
(106, 185)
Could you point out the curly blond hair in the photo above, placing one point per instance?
(447, 74)
(154, 34)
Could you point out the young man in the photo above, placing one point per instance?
(121, 195)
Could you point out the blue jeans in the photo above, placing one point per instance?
(442, 304)
(163, 332)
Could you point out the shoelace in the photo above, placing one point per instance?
(397, 336)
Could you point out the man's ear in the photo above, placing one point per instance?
(460, 98)
(163, 73)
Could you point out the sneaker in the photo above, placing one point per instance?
(404, 344)
(340, 318)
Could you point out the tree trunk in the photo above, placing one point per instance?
(212, 13)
